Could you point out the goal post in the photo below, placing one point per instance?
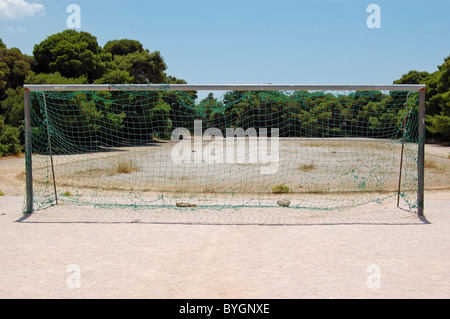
(232, 145)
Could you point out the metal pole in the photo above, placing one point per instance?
(401, 163)
(50, 147)
(220, 87)
(28, 152)
(421, 154)
(403, 150)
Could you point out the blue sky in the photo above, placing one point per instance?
(254, 41)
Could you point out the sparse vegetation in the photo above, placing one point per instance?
(1, 193)
(281, 189)
(67, 194)
(430, 164)
(307, 167)
(438, 167)
(208, 190)
(126, 167)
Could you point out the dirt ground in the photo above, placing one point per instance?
(372, 251)
(326, 173)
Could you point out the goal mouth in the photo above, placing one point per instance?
(324, 147)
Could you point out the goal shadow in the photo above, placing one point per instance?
(268, 217)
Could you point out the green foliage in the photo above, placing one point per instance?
(12, 107)
(132, 64)
(110, 122)
(10, 140)
(115, 76)
(281, 189)
(83, 119)
(143, 66)
(14, 68)
(173, 80)
(182, 107)
(72, 57)
(123, 47)
(438, 98)
(73, 54)
(438, 105)
(54, 78)
(312, 114)
(439, 124)
(414, 77)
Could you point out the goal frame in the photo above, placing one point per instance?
(421, 88)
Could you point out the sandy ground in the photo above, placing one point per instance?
(326, 173)
(374, 251)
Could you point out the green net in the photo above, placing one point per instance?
(321, 150)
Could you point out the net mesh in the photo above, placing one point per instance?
(320, 150)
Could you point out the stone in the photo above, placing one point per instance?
(284, 203)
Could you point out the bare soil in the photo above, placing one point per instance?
(371, 251)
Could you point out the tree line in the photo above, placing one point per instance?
(438, 99)
(69, 57)
(87, 121)
(72, 57)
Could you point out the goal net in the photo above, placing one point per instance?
(222, 146)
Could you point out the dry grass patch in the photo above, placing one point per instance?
(307, 167)
(281, 189)
(430, 164)
(126, 167)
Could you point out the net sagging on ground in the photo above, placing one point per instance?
(320, 150)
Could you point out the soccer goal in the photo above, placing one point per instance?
(324, 147)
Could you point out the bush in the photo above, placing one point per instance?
(439, 124)
(3, 150)
(10, 143)
(281, 189)
(126, 167)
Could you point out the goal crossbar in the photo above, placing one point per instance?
(224, 87)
